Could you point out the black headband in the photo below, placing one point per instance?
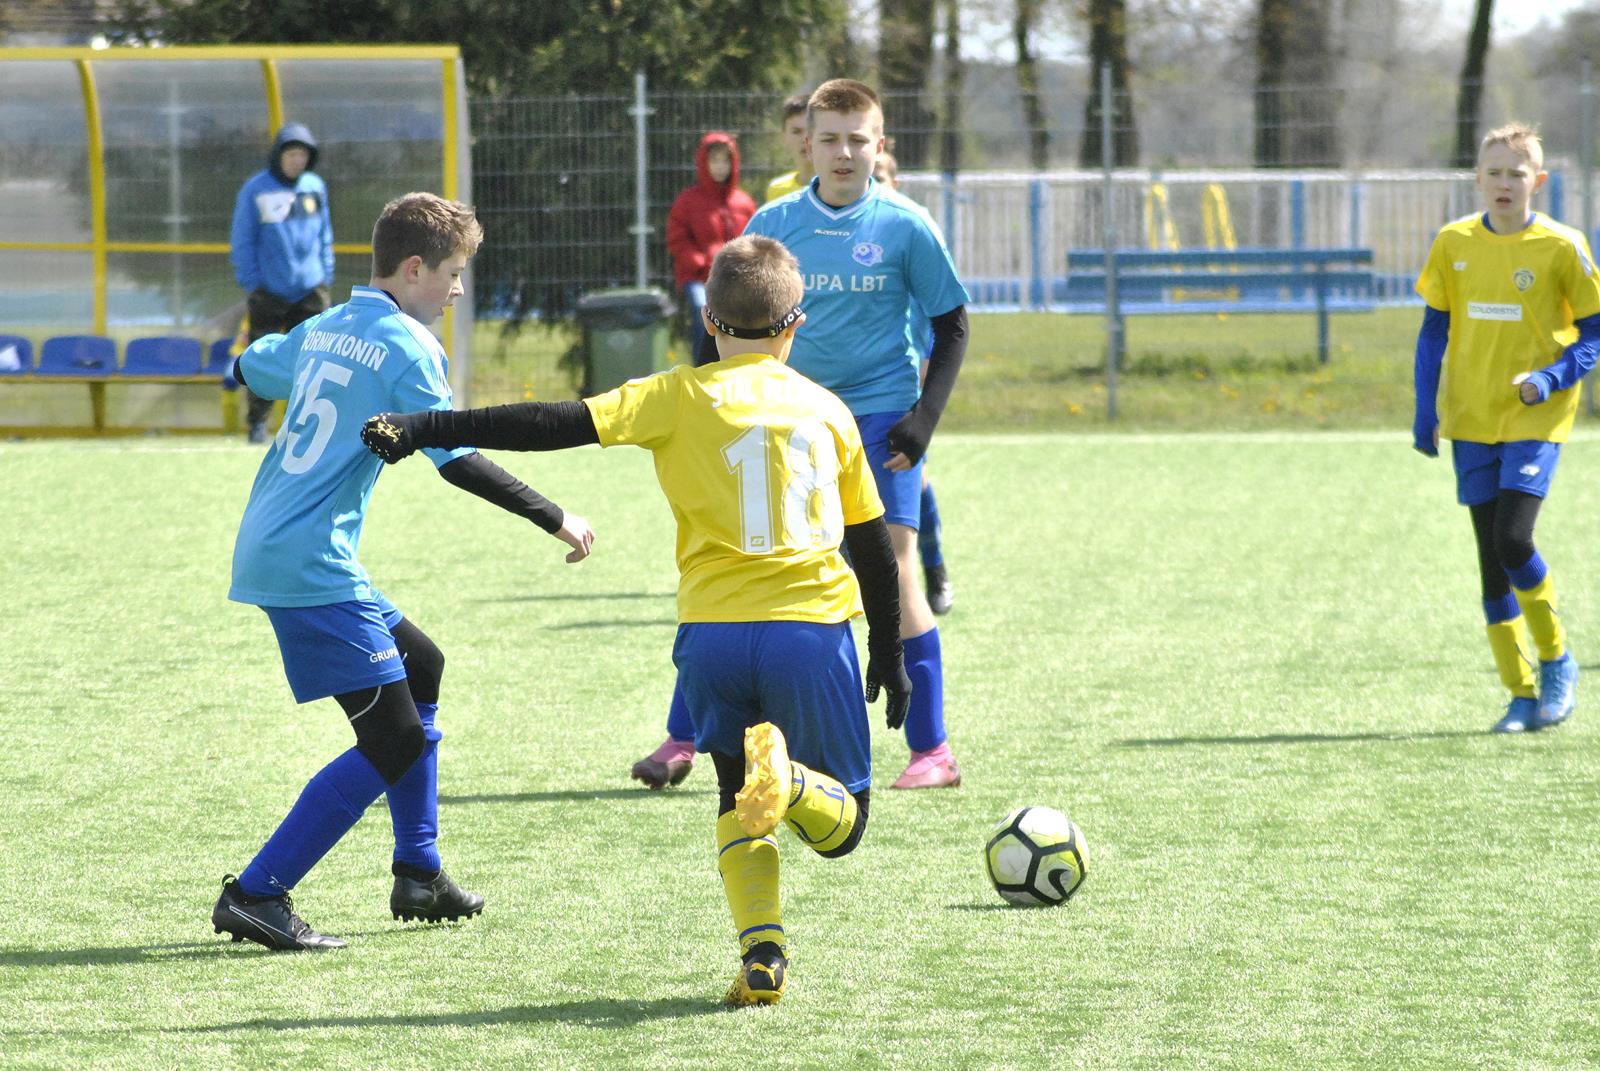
(770, 331)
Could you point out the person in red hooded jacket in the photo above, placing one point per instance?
(704, 218)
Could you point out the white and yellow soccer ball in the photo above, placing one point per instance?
(1036, 856)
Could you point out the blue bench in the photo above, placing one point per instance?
(92, 360)
(1231, 281)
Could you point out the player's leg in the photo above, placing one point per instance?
(268, 316)
(1507, 634)
(935, 576)
(422, 889)
(702, 348)
(334, 651)
(670, 763)
(933, 764)
(1526, 471)
(716, 674)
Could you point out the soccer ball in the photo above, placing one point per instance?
(1036, 856)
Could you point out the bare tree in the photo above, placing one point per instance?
(1470, 93)
(1108, 46)
(905, 56)
(1027, 13)
(1297, 93)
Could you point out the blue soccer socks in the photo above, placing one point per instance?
(925, 666)
(928, 530)
(333, 801)
(414, 802)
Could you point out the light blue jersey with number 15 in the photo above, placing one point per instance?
(297, 542)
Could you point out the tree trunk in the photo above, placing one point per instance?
(1108, 44)
(905, 56)
(1297, 93)
(955, 74)
(1028, 83)
(1470, 93)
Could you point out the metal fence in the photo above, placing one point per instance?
(558, 180)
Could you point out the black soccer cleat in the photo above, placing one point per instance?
(941, 593)
(432, 900)
(763, 976)
(266, 920)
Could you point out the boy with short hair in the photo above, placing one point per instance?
(766, 474)
(868, 256)
(794, 143)
(1512, 323)
(295, 557)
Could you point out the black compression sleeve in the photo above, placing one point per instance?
(525, 426)
(872, 556)
(944, 362)
(490, 482)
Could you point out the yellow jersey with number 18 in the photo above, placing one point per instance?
(763, 469)
(1512, 300)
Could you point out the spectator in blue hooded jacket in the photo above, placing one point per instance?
(282, 246)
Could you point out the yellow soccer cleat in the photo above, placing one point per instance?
(763, 976)
(768, 784)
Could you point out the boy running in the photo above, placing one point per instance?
(1512, 323)
(296, 559)
(766, 474)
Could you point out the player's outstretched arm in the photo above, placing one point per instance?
(872, 554)
(526, 426)
(910, 436)
(1432, 339)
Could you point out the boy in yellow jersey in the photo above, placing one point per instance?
(794, 143)
(1513, 322)
(766, 475)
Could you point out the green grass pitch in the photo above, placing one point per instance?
(1250, 666)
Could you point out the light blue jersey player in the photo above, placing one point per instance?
(867, 256)
(295, 557)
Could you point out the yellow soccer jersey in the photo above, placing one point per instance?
(782, 185)
(763, 469)
(1512, 300)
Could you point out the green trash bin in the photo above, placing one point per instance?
(624, 336)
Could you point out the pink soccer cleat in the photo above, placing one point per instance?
(936, 768)
(667, 765)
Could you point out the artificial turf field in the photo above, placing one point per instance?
(1250, 666)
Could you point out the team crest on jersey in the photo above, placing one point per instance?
(867, 253)
(1523, 278)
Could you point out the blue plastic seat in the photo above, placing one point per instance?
(16, 355)
(219, 359)
(77, 355)
(166, 355)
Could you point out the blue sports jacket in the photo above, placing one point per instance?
(282, 236)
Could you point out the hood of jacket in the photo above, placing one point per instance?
(291, 134)
(702, 170)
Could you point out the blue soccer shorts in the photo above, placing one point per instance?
(802, 677)
(1483, 470)
(901, 491)
(338, 648)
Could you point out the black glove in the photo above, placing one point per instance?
(392, 435)
(886, 671)
(911, 434)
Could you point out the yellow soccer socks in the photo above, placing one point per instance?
(821, 812)
(817, 807)
(1538, 605)
(749, 868)
(1508, 641)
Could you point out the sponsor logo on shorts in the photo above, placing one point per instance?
(1529, 470)
(1494, 310)
(384, 656)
